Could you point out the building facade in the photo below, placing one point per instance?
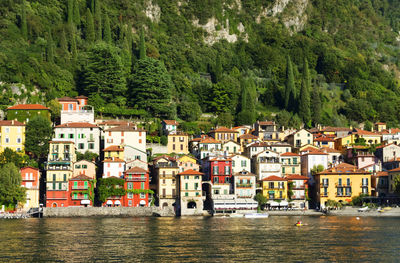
(12, 135)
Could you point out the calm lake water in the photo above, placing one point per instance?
(198, 239)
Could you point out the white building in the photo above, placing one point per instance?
(240, 163)
(313, 159)
(267, 163)
(113, 167)
(86, 136)
(231, 147)
(131, 138)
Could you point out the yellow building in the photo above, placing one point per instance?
(380, 126)
(342, 143)
(12, 135)
(187, 162)
(274, 188)
(115, 151)
(166, 169)
(178, 142)
(300, 138)
(341, 183)
(224, 134)
(369, 137)
(245, 139)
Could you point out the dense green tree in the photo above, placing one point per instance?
(217, 70)
(50, 48)
(37, 136)
(74, 51)
(97, 18)
(18, 159)
(104, 73)
(63, 43)
(316, 106)
(304, 104)
(24, 26)
(142, 45)
(70, 12)
(89, 27)
(261, 200)
(107, 30)
(11, 191)
(247, 114)
(290, 85)
(55, 109)
(88, 156)
(77, 14)
(151, 87)
(189, 111)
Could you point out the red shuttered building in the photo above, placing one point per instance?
(137, 187)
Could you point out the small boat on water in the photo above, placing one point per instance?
(256, 215)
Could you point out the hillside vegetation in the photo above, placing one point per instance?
(312, 61)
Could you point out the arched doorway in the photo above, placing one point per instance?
(54, 205)
(191, 205)
(165, 205)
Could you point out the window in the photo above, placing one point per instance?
(293, 170)
(244, 163)
(77, 166)
(65, 177)
(271, 185)
(294, 160)
(81, 146)
(142, 185)
(186, 186)
(181, 147)
(59, 186)
(227, 170)
(215, 170)
(54, 177)
(173, 146)
(173, 139)
(142, 195)
(71, 136)
(186, 194)
(348, 182)
(283, 170)
(130, 203)
(85, 196)
(7, 130)
(130, 195)
(75, 184)
(233, 163)
(216, 180)
(280, 194)
(19, 140)
(75, 196)
(7, 140)
(196, 186)
(84, 166)
(227, 180)
(91, 146)
(86, 184)
(70, 106)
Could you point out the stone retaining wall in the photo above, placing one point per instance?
(106, 211)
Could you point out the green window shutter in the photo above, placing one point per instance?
(142, 185)
(86, 184)
(75, 184)
(75, 195)
(59, 186)
(186, 186)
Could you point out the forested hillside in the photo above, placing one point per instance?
(312, 61)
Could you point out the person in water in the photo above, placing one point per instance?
(299, 223)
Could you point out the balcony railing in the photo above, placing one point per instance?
(166, 165)
(299, 187)
(79, 187)
(136, 179)
(343, 185)
(274, 188)
(168, 196)
(302, 197)
(244, 185)
(324, 184)
(343, 194)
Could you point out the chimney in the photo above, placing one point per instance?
(12, 122)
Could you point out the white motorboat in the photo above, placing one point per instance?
(256, 215)
(236, 215)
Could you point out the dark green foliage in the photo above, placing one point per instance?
(63, 42)
(97, 19)
(316, 106)
(151, 88)
(89, 27)
(290, 86)
(18, 159)
(38, 133)
(88, 156)
(142, 45)
(11, 191)
(70, 12)
(74, 51)
(164, 140)
(107, 30)
(24, 27)
(50, 49)
(304, 104)
(247, 114)
(104, 74)
(77, 14)
(109, 187)
(189, 111)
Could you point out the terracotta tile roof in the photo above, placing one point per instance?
(289, 154)
(380, 123)
(381, 174)
(209, 140)
(77, 125)
(329, 150)
(29, 167)
(248, 136)
(190, 172)
(239, 127)
(165, 157)
(113, 148)
(11, 123)
(66, 99)
(81, 97)
(384, 146)
(267, 123)
(136, 170)
(315, 153)
(310, 149)
(395, 170)
(223, 129)
(343, 168)
(171, 122)
(258, 144)
(296, 177)
(393, 160)
(391, 131)
(113, 160)
(127, 128)
(81, 177)
(274, 178)
(324, 139)
(364, 132)
(335, 129)
(220, 159)
(28, 107)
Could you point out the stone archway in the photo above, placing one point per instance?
(54, 205)
(191, 205)
(165, 205)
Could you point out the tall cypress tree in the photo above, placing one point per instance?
(50, 49)
(70, 12)
(142, 45)
(63, 42)
(304, 103)
(290, 86)
(247, 114)
(77, 14)
(92, 6)
(97, 16)
(316, 106)
(89, 28)
(107, 30)
(74, 51)
(217, 72)
(24, 27)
